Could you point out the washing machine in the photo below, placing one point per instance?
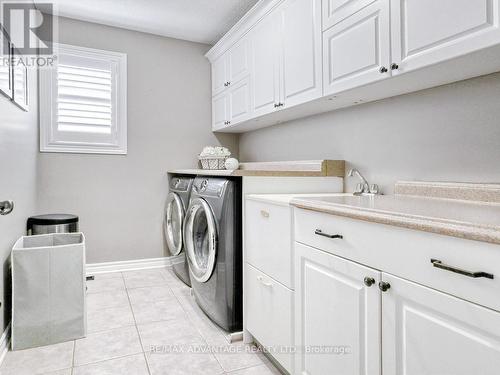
(175, 209)
(212, 236)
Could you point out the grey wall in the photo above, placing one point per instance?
(120, 199)
(448, 133)
(18, 180)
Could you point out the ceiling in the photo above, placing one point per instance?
(204, 21)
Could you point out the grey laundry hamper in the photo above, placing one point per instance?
(48, 288)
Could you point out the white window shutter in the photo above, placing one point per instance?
(83, 102)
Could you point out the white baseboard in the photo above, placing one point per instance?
(4, 343)
(131, 265)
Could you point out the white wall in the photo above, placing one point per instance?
(448, 133)
(18, 180)
(120, 199)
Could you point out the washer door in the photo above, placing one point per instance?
(200, 237)
(174, 219)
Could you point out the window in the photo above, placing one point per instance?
(83, 102)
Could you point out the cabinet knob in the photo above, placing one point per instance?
(383, 70)
(383, 286)
(264, 213)
(394, 66)
(369, 281)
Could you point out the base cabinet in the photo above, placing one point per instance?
(337, 316)
(426, 332)
(351, 319)
(269, 315)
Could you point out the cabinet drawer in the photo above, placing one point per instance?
(268, 242)
(408, 253)
(269, 314)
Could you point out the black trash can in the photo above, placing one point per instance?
(52, 223)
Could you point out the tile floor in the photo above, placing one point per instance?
(132, 318)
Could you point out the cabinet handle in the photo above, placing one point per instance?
(261, 279)
(438, 264)
(383, 286)
(394, 66)
(319, 232)
(383, 70)
(264, 213)
(369, 281)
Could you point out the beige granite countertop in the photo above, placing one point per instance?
(467, 219)
(301, 168)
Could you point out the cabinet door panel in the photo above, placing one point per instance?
(301, 60)
(269, 313)
(238, 61)
(335, 311)
(220, 111)
(239, 102)
(335, 11)
(426, 332)
(356, 49)
(425, 32)
(219, 74)
(265, 75)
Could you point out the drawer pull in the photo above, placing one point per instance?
(319, 232)
(261, 279)
(264, 213)
(438, 264)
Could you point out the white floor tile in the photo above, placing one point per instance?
(107, 300)
(140, 279)
(172, 333)
(183, 364)
(147, 312)
(107, 345)
(105, 285)
(268, 369)
(150, 294)
(239, 356)
(109, 275)
(115, 317)
(172, 329)
(59, 372)
(131, 365)
(38, 360)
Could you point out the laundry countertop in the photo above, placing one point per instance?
(469, 219)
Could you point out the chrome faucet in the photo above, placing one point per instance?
(363, 187)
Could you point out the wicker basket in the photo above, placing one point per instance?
(213, 163)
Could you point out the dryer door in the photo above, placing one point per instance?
(200, 235)
(174, 219)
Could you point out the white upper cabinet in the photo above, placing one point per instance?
(335, 11)
(425, 32)
(219, 74)
(357, 50)
(231, 67)
(426, 332)
(336, 310)
(264, 64)
(239, 101)
(220, 111)
(295, 52)
(301, 73)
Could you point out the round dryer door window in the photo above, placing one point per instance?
(174, 218)
(201, 240)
